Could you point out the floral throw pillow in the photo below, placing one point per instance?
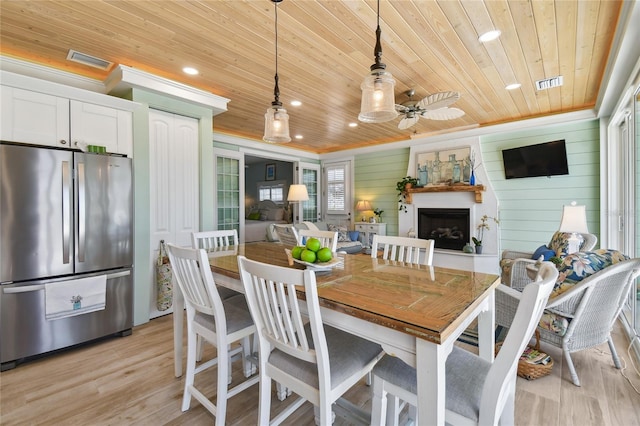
(560, 243)
(343, 234)
(578, 266)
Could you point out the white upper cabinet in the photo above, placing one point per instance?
(103, 126)
(64, 117)
(33, 117)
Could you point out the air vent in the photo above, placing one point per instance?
(549, 83)
(92, 61)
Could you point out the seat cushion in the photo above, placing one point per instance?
(347, 354)
(236, 312)
(466, 374)
(465, 377)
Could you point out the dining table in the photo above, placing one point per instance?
(415, 312)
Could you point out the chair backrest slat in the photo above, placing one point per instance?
(214, 239)
(403, 249)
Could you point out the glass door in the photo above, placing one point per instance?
(309, 175)
(229, 182)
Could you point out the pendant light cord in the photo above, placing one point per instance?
(377, 51)
(276, 89)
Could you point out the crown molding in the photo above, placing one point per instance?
(30, 69)
(124, 78)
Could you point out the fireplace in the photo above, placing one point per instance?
(449, 228)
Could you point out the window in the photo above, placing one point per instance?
(273, 191)
(337, 175)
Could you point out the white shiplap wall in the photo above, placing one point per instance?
(376, 175)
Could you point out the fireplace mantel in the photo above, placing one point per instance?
(477, 189)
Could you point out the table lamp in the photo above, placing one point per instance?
(574, 221)
(297, 193)
(362, 206)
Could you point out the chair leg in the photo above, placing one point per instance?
(191, 367)
(264, 404)
(247, 366)
(614, 353)
(224, 378)
(509, 410)
(324, 416)
(199, 348)
(572, 369)
(378, 402)
(393, 410)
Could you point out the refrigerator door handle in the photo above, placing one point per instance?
(38, 287)
(82, 212)
(66, 212)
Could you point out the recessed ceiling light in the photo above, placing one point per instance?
(353, 124)
(298, 136)
(190, 71)
(489, 35)
(513, 86)
(296, 103)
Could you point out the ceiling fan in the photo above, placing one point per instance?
(433, 107)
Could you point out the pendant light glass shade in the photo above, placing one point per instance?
(276, 125)
(378, 98)
(276, 120)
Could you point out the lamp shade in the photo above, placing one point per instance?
(298, 193)
(574, 219)
(378, 100)
(276, 125)
(363, 205)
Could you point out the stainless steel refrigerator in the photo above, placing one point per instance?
(64, 215)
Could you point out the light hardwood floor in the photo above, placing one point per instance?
(129, 380)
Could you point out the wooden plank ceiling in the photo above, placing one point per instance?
(325, 48)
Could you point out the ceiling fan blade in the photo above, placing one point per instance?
(443, 114)
(407, 122)
(439, 100)
(401, 108)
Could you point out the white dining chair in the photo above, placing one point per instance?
(215, 243)
(477, 392)
(316, 361)
(403, 249)
(219, 322)
(327, 238)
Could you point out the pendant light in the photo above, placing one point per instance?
(276, 120)
(378, 102)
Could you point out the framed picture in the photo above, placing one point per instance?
(444, 167)
(270, 172)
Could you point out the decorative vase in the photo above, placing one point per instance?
(472, 178)
(478, 249)
(468, 248)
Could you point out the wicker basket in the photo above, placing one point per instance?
(532, 371)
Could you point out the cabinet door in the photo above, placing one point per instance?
(33, 117)
(103, 126)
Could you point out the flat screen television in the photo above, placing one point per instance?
(544, 159)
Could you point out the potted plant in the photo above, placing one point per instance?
(402, 185)
(378, 214)
(484, 224)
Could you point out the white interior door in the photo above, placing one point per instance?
(173, 184)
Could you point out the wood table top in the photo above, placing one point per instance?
(425, 301)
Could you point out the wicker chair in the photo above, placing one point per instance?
(514, 274)
(590, 307)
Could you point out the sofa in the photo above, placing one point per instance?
(348, 242)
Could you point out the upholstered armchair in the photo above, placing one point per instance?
(514, 263)
(586, 301)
